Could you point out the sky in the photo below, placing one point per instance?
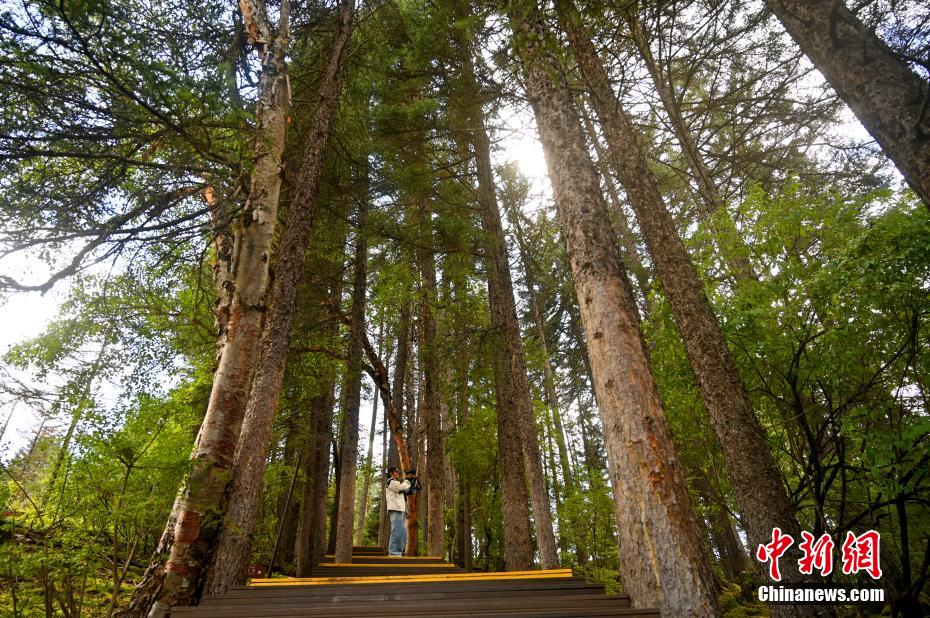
(22, 316)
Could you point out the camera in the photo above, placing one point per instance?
(411, 475)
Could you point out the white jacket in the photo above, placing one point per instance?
(396, 500)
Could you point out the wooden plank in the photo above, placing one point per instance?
(362, 595)
(398, 579)
(296, 581)
(383, 572)
(502, 606)
(603, 612)
(476, 586)
(382, 565)
(408, 557)
(328, 559)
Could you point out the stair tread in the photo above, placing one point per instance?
(408, 588)
(363, 594)
(418, 607)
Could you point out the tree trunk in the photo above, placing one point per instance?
(379, 374)
(662, 558)
(235, 543)
(222, 212)
(195, 517)
(333, 526)
(349, 438)
(287, 515)
(746, 453)
(887, 97)
(397, 401)
(416, 501)
(384, 532)
(307, 498)
(430, 412)
(369, 458)
(629, 251)
(311, 536)
(552, 398)
(413, 438)
(504, 319)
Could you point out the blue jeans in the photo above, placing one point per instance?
(398, 533)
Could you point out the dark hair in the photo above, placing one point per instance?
(393, 469)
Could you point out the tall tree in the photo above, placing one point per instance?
(430, 377)
(348, 439)
(311, 534)
(888, 98)
(234, 544)
(504, 309)
(733, 249)
(369, 457)
(661, 555)
(760, 494)
(193, 523)
(515, 219)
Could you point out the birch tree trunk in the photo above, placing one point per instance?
(235, 543)
(888, 98)
(662, 558)
(192, 525)
(756, 481)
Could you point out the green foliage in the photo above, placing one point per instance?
(108, 504)
(832, 344)
(131, 121)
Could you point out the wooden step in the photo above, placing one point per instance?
(457, 576)
(409, 591)
(379, 570)
(577, 612)
(379, 587)
(581, 605)
(477, 587)
(372, 559)
(368, 550)
(390, 596)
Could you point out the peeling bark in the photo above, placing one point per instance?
(235, 542)
(194, 520)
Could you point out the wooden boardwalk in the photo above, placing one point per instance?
(375, 585)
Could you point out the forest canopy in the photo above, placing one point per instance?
(293, 243)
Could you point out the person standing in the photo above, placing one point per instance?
(396, 496)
